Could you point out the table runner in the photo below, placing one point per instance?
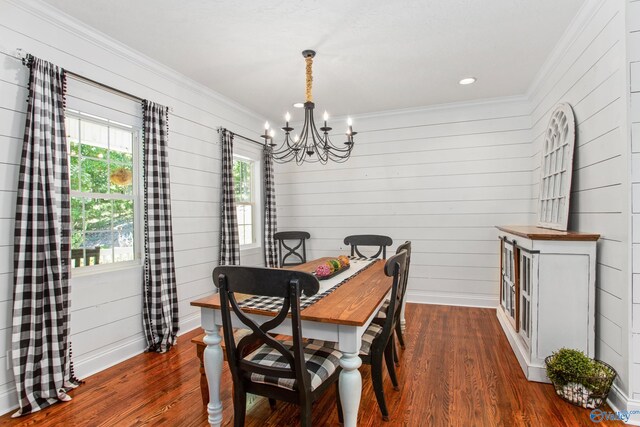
(358, 265)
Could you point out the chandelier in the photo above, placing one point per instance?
(312, 145)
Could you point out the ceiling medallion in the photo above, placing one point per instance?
(313, 145)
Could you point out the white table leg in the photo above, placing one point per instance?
(213, 367)
(403, 322)
(350, 384)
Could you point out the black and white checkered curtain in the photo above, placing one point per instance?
(160, 310)
(40, 338)
(270, 221)
(229, 239)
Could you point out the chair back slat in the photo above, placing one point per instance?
(258, 331)
(285, 284)
(406, 246)
(368, 240)
(294, 255)
(394, 267)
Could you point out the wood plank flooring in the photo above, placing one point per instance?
(457, 370)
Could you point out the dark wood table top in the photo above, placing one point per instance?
(539, 233)
(351, 304)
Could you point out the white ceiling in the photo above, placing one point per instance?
(373, 55)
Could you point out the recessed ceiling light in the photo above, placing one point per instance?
(298, 105)
(467, 80)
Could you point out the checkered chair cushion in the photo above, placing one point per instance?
(382, 313)
(321, 363)
(367, 339)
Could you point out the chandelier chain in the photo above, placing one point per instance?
(309, 96)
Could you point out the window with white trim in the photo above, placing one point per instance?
(103, 164)
(245, 195)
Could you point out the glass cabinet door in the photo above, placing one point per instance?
(526, 272)
(509, 279)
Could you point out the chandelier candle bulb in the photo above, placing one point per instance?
(266, 135)
(313, 141)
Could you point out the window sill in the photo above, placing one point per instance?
(105, 268)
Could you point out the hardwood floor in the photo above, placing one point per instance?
(457, 370)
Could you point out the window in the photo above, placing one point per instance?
(104, 194)
(243, 179)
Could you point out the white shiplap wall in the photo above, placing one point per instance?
(633, 55)
(106, 308)
(440, 177)
(590, 75)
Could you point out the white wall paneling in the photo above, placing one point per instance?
(438, 177)
(590, 75)
(106, 308)
(633, 94)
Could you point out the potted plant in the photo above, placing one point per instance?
(579, 379)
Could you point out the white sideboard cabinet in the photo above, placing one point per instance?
(547, 293)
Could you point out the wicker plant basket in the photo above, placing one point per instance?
(587, 392)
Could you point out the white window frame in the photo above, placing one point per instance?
(137, 191)
(244, 151)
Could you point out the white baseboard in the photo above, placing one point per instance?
(8, 400)
(444, 298)
(626, 409)
(189, 323)
(85, 367)
(99, 362)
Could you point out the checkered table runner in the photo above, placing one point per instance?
(265, 303)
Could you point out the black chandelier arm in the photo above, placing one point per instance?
(284, 156)
(314, 144)
(347, 147)
(321, 147)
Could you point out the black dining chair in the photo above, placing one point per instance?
(294, 371)
(374, 240)
(377, 340)
(382, 313)
(298, 253)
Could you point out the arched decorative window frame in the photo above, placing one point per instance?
(556, 169)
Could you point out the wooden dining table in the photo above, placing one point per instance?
(342, 316)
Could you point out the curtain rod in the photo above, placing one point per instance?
(102, 85)
(22, 56)
(241, 136)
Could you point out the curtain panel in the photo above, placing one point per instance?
(41, 351)
(229, 239)
(270, 221)
(160, 305)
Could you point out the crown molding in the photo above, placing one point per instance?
(568, 38)
(70, 24)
